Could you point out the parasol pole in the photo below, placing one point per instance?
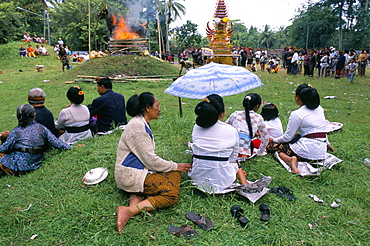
(180, 107)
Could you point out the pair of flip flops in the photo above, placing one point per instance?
(237, 213)
(186, 231)
(283, 192)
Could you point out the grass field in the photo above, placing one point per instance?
(65, 211)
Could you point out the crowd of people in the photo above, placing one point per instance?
(154, 183)
(23, 148)
(33, 52)
(325, 62)
(27, 38)
(217, 147)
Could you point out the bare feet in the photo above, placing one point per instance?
(123, 215)
(134, 199)
(294, 164)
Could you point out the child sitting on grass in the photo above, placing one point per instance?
(253, 67)
(270, 114)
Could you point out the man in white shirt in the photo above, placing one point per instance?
(294, 67)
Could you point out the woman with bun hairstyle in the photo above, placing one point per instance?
(215, 148)
(251, 127)
(309, 121)
(74, 119)
(27, 143)
(151, 181)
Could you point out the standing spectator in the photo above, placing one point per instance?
(249, 53)
(263, 61)
(324, 64)
(294, 61)
(362, 61)
(341, 61)
(195, 54)
(36, 98)
(243, 56)
(200, 56)
(300, 62)
(235, 57)
(351, 67)
(258, 56)
(333, 65)
(306, 64)
(62, 53)
(109, 107)
(283, 57)
(288, 60)
(312, 63)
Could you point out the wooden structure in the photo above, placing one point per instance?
(220, 35)
(131, 46)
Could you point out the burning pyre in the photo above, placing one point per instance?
(124, 37)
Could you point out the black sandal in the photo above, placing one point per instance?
(283, 192)
(265, 210)
(203, 222)
(237, 213)
(184, 231)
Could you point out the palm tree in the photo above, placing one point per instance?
(266, 36)
(172, 10)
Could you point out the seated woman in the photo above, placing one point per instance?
(309, 121)
(215, 148)
(151, 181)
(250, 125)
(74, 120)
(26, 144)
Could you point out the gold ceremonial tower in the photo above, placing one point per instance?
(220, 35)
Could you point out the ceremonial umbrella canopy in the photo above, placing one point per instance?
(213, 78)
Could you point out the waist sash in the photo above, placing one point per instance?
(316, 135)
(211, 158)
(33, 150)
(77, 129)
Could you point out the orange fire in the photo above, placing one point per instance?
(122, 31)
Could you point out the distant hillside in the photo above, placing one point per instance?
(127, 65)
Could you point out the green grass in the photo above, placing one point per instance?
(64, 211)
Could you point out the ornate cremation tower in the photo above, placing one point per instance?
(219, 36)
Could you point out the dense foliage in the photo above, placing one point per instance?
(342, 23)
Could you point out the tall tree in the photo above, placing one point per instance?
(11, 26)
(70, 22)
(240, 34)
(187, 36)
(352, 21)
(315, 24)
(266, 37)
(171, 10)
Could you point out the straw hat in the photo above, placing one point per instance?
(95, 176)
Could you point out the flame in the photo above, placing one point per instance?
(122, 31)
